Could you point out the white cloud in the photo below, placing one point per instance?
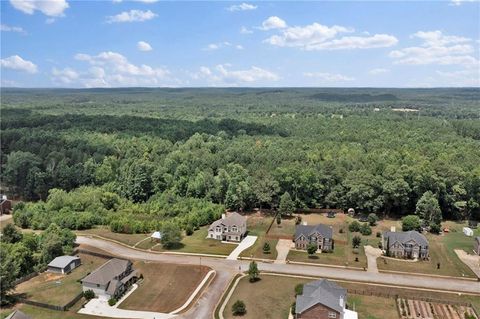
(144, 1)
(273, 22)
(50, 20)
(7, 28)
(320, 37)
(222, 75)
(242, 7)
(378, 71)
(144, 46)
(245, 30)
(459, 2)
(111, 69)
(132, 16)
(220, 45)
(437, 48)
(65, 76)
(51, 8)
(328, 77)
(468, 77)
(15, 62)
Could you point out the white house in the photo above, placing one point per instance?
(231, 227)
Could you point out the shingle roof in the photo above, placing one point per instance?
(322, 291)
(404, 237)
(230, 220)
(17, 314)
(62, 261)
(306, 230)
(108, 271)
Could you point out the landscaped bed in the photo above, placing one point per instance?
(165, 287)
(57, 289)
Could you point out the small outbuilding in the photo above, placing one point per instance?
(157, 236)
(64, 264)
(468, 231)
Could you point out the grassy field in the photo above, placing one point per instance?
(58, 289)
(165, 287)
(279, 291)
(103, 231)
(42, 313)
(257, 225)
(5, 220)
(441, 251)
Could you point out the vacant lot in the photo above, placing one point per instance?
(257, 225)
(103, 231)
(165, 287)
(279, 291)
(57, 289)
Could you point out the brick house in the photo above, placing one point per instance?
(323, 299)
(5, 205)
(320, 235)
(410, 245)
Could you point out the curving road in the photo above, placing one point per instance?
(226, 269)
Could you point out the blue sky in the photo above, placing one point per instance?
(61, 43)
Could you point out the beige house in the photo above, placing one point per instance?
(320, 235)
(111, 279)
(410, 244)
(231, 227)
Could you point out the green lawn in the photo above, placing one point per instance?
(257, 225)
(42, 313)
(103, 231)
(441, 251)
(58, 289)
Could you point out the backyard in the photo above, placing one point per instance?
(165, 287)
(58, 289)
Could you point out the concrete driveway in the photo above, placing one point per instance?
(283, 247)
(244, 244)
(471, 261)
(372, 255)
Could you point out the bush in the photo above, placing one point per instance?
(298, 289)
(266, 248)
(238, 308)
(88, 294)
(292, 310)
(435, 228)
(311, 249)
(365, 230)
(411, 222)
(189, 230)
(341, 231)
(372, 219)
(356, 241)
(112, 301)
(378, 234)
(354, 226)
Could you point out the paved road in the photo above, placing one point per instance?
(205, 306)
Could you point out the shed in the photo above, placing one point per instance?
(64, 264)
(156, 236)
(468, 231)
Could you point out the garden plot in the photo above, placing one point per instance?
(417, 309)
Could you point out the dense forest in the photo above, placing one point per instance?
(137, 158)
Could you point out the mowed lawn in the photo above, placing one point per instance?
(165, 287)
(441, 249)
(272, 297)
(58, 289)
(43, 313)
(257, 225)
(104, 231)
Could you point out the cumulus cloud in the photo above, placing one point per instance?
(132, 16)
(223, 75)
(220, 45)
(15, 62)
(321, 37)
(112, 69)
(459, 2)
(378, 71)
(328, 77)
(64, 76)
(245, 30)
(273, 22)
(437, 48)
(242, 7)
(144, 46)
(51, 8)
(7, 28)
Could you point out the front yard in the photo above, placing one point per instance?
(58, 289)
(165, 287)
(257, 225)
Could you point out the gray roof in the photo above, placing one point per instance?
(404, 237)
(322, 291)
(306, 230)
(62, 261)
(230, 220)
(478, 238)
(17, 314)
(108, 271)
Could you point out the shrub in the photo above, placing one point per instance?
(112, 301)
(298, 289)
(189, 230)
(356, 241)
(378, 234)
(292, 310)
(341, 231)
(88, 294)
(253, 272)
(435, 228)
(365, 230)
(238, 308)
(354, 226)
(266, 248)
(372, 219)
(311, 249)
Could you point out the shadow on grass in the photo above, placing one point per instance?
(312, 257)
(175, 246)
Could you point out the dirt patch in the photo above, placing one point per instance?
(165, 287)
(419, 309)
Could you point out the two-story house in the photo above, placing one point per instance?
(231, 227)
(410, 244)
(111, 279)
(323, 299)
(320, 235)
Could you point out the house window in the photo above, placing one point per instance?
(332, 315)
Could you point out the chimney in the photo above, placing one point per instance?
(392, 229)
(223, 216)
(342, 302)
